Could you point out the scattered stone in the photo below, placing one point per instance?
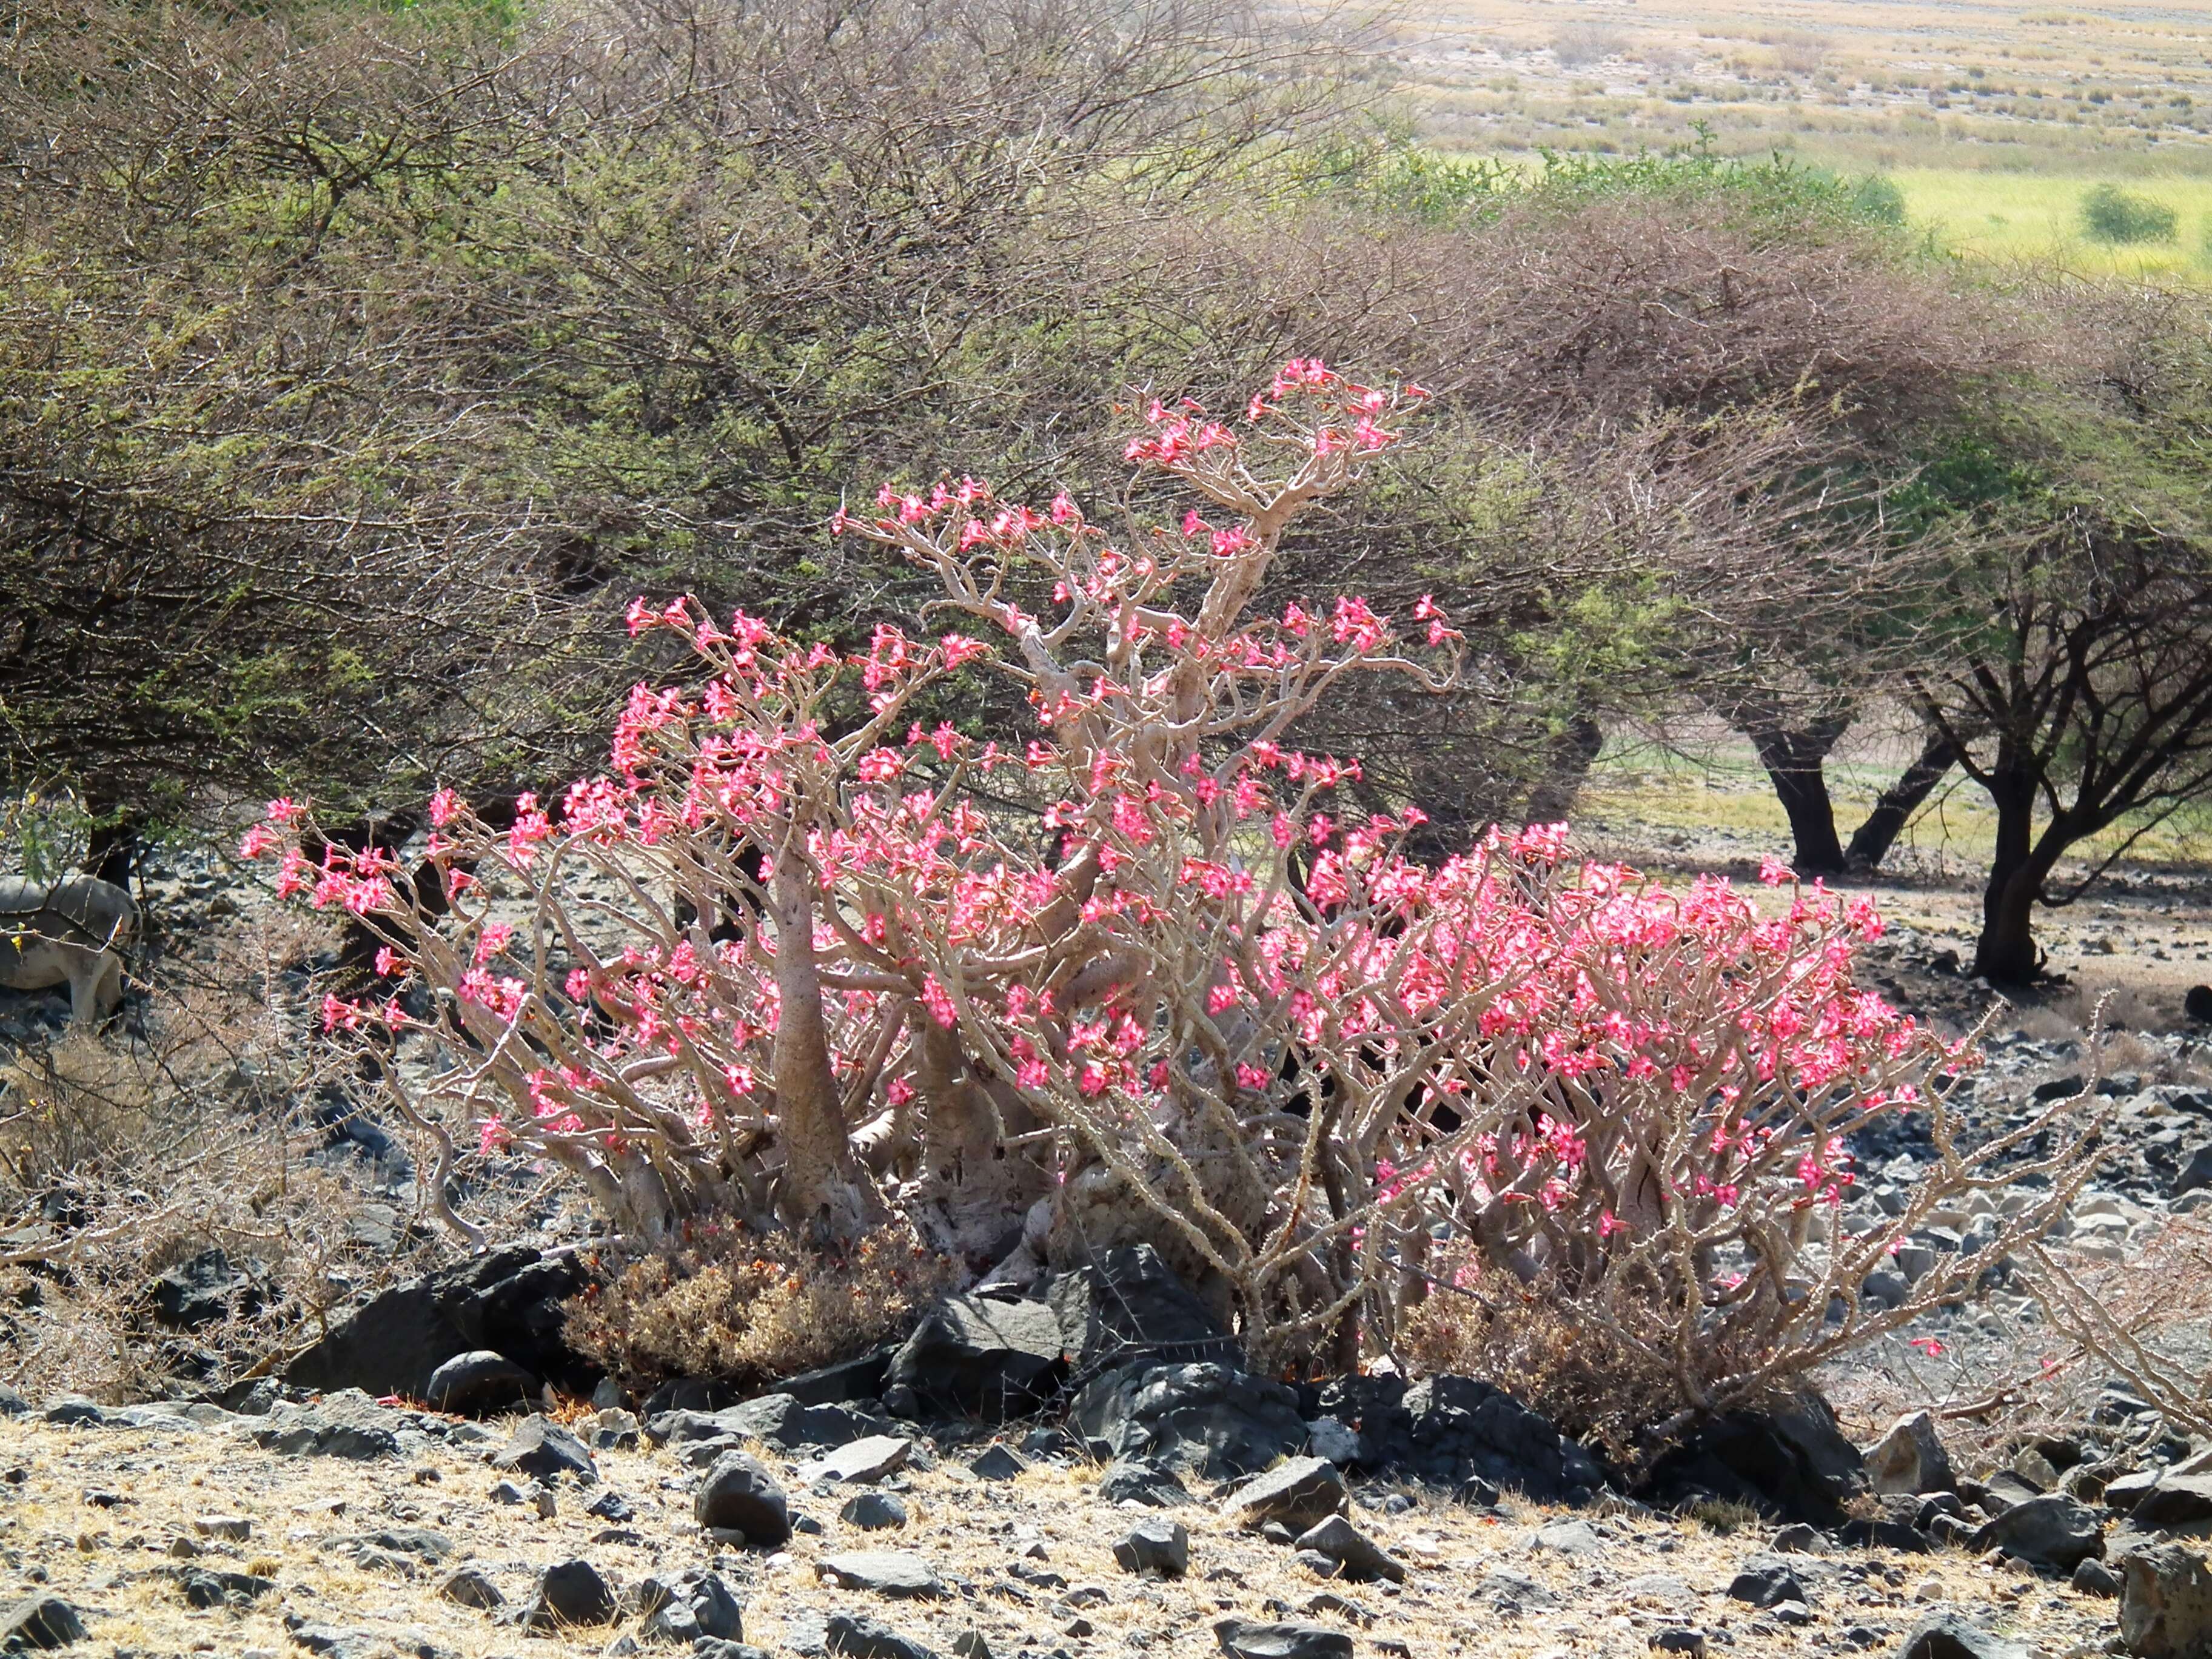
(1793, 1465)
(2166, 1603)
(205, 1588)
(972, 1357)
(506, 1492)
(1356, 1555)
(887, 1572)
(1326, 1437)
(39, 1621)
(1462, 1434)
(479, 1383)
(2196, 1173)
(610, 1505)
(740, 1495)
(2003, 1491)
(1948, 1634)
(998, 1464)
(1128, 1302)
(780, 1419)
(393, 1549)
(1765, 1582)
(857, 1637)
(544, 1449)
(1504, 1587)
(693, 1605)
(235, 1528)
(614, 1430)
(873, 1511)
(1206, 1418)
(1139, 1482)
(206, 1291)
(2122, 1492)
(467, 1586)
(334, 1641)
(570, 1593)
(862, 1462)
(508, 1301)
(1298, 1493)
(2093, 1577)
(1910, 1458)
(2051, 1531)
(1575, 1538)
(347, 1424)
(1680, 1639)
(711, 1648)
(1156, 1545)
(2178, 1503)
(1244, 1638)
(1798, 1539)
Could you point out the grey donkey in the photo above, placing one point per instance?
(74, 933)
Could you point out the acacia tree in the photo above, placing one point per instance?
(1634, 1101)
(2068, 667)
(374, 350)
(2083, 698)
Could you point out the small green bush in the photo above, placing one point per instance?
(1877, 199)
(2120, 217)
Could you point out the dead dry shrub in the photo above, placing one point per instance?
(181, 1130)
(1598, 1384)
(1586, 44)
(2146, 1321)
(744, 1308)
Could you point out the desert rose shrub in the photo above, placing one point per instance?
(799, 962)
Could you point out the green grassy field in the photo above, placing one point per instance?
(1993, 116)
(1707, 793)
(2033, 218)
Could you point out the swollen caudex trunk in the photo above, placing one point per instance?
(825, 1194)
(972, 1190)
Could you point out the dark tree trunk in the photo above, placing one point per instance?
(1570, 754)
(2006, 953)
(1871, 840)
(1793, 760)
(112, 849)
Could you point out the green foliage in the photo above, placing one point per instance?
(2123, 218)
(1395, 176)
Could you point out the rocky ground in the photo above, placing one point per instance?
(308, 1517)
(350, 1529)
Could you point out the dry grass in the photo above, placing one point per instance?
(1978, 87)
(747, 1310)
(181, 1128)
(111, 1562)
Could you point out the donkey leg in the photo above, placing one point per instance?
(108, 988)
